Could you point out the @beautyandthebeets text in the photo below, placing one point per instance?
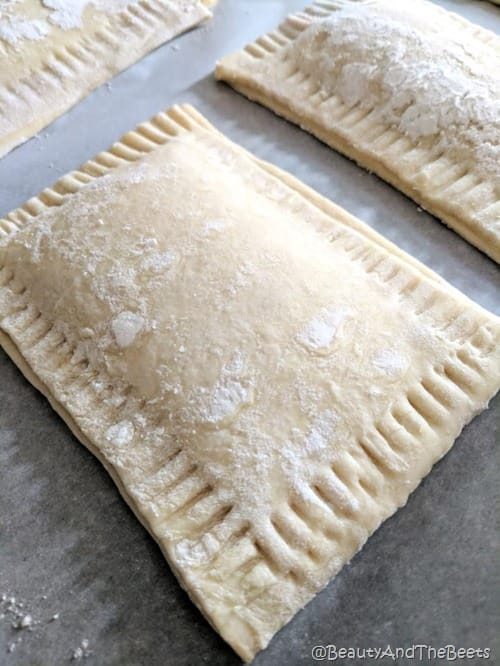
(419, 652)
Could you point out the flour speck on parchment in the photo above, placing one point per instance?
(27, 621)
(82, 651)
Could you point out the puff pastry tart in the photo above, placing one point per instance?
(54, 52)
(407, 89)
(265, 378)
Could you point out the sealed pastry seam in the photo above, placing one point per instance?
(293, 71)
(51, 58)
(370, 363)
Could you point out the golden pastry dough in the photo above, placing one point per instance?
(54, 52)
(264, 376)
(407, 89)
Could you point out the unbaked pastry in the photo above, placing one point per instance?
(407, 89)
(54, 52)
(265, 377)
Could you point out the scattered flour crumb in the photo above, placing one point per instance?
(158, 262)
(194, 553)
(319, 332)
(321, 433)
(214, 225)
(125, 328)
(13, 612)
(67, 14)
(82, 651)
(308, 446)
(225, 399)
(121, 433)
(115, 401)
(25, 622)
(149, 243)
(14, 30)
(227, 396)
(389, 361)
(140, 421)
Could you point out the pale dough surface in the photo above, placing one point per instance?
(54, 52)
(407, 89)
(265, 377)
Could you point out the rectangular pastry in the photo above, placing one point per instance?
(265, 378)
(407, 89)
(54, 52)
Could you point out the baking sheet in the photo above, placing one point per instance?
(68, 543)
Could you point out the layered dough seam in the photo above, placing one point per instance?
(367, 473)
(448, 189)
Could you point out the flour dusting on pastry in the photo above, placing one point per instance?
(306, 449)
(390, 362)
(126, 326)
(193, 552)
(322, 431)
(14, 30)
(121, 433)
(224, 400)
(158, 262)
(406, 89)
(67, 14)
(319, 333)
(214, 225)
(382, 56)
